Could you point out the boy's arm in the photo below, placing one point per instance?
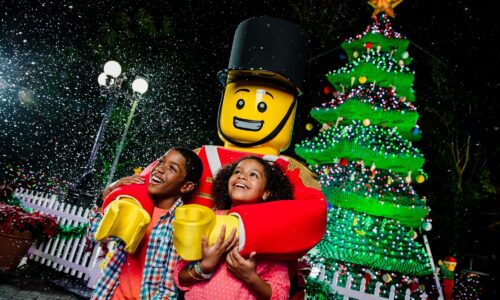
(95, 217)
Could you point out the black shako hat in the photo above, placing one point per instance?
(268, 48)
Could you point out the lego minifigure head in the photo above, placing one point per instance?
(264, 78)
(450, 263)
(257, 114)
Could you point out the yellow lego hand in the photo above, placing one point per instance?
(124, 218)
(192, 222)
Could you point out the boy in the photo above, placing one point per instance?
(148, 272)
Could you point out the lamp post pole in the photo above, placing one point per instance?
(111, 81)
(100, 134)
(139, 86)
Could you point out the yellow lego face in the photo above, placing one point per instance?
(450, 266)
(257, 114)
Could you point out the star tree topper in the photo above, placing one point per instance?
(384, 6)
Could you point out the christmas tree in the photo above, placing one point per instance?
(366, 164)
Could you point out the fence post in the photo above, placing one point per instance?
(61, 253)
(95, 271)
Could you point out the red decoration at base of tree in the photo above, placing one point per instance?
(343, 162)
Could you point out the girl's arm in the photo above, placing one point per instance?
(203, 270)
(245, 270)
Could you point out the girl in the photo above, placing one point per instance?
(223, 273)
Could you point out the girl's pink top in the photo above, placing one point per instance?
(224, 285)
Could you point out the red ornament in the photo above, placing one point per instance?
(343, 162)
(390, 91)
(368, 45)
(342, 269)
(413, 285)
(326, 90)
(368, 278)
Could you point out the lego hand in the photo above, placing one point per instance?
(126, 219)
(192, 222)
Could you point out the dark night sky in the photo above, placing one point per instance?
(458, 34)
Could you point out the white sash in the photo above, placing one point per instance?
(214, 160)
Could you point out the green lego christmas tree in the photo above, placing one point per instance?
(366, 164)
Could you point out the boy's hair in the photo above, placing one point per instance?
(194, 166)
(277, 183)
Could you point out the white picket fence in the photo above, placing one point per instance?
(348, 292)
(67, 255)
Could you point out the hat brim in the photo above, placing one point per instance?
(227, 76)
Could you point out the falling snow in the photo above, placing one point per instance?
(52, 52)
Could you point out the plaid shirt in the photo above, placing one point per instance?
(161, 258)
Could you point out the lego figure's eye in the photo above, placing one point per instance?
(262, 106)
(240, 103)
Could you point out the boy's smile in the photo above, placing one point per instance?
(155, 180)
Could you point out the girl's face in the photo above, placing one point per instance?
(248, 182)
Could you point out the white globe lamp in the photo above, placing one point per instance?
(140, 85)
(112, 68)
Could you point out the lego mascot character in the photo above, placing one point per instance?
(447, 268)
(256, 114)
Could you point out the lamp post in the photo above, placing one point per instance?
(139, 87)
(110, 82)
(109, 79)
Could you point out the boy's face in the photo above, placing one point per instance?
(168, 176)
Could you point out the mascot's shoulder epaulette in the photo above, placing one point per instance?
(308, 177)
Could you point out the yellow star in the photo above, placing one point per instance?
(137, 170)
(384, 6)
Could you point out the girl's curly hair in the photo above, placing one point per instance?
(276, 182)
